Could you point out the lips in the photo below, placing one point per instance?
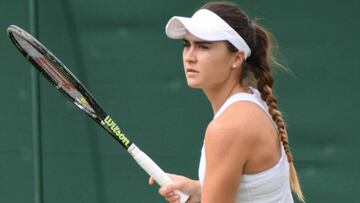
(190, 70)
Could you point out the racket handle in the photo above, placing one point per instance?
(153, 170)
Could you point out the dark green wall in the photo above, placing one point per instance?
(118, 49)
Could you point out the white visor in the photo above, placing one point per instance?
(208, 26)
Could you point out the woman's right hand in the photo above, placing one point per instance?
(182, 183)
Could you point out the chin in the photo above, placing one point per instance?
(193, 85)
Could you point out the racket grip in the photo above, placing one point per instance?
(153, 170)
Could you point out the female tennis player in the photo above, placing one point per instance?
(245, 155)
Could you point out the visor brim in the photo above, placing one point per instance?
(177, 28)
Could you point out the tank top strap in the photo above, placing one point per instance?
(253, 97)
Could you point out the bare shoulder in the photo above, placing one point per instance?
(235, 132)
(239, 122)
(245, 135)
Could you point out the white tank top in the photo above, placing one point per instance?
(269, 186)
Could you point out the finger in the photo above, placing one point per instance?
(151, 181)
(169, 195)
(174, 186)
(174, 198)
(165, 192)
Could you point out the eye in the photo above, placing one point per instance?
(186, 44)
(203, 46)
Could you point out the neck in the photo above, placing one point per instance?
(217, 96)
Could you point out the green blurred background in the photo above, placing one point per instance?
(118, 49)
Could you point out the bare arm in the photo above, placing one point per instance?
(228, 142)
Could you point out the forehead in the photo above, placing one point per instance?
(191, 38)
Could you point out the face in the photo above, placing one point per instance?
(206, 64)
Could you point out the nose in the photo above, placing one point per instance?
(189, 55)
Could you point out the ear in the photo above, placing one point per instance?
(238, 59)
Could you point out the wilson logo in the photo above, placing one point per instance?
(116, 130)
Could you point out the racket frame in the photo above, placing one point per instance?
(99, 115)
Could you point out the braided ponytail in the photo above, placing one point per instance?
(258, 64)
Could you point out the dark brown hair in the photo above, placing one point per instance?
(258, 65)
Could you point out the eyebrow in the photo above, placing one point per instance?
(197, 42)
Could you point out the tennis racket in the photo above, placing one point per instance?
(66, 82)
